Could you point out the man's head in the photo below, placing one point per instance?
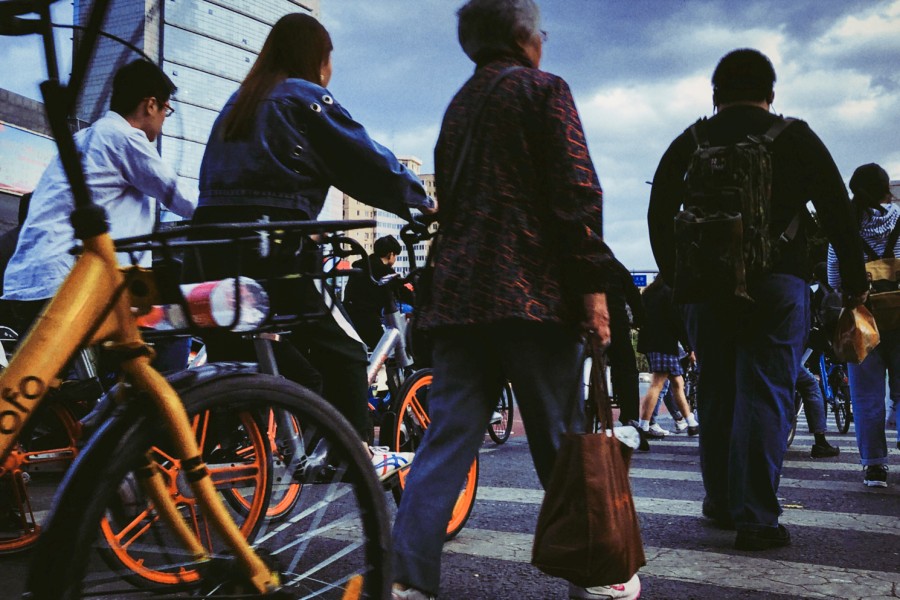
(492, 28)
(141, 93)
(387, 248)
(743, 75)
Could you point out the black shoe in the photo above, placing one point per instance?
(643, 445)
(876, 476)
(762, 539)
(693, 430)
(824, 450)
(719, 516)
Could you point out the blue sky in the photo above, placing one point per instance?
(639, 71)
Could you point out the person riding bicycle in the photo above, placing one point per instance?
(364, 300)
(278, 145)
(124, 172)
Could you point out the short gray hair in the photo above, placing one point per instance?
(489, 27)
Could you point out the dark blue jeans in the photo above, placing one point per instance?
(749, 356)
(541, 360)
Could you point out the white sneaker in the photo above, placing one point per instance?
(387, 463)
(630, 590)
(496, 418)
(397, 593)
(656, 431)
(681, 426)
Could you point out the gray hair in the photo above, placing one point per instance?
(488, 27)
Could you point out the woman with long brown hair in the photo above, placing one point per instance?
(279, 143)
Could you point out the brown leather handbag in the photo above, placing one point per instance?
(587, 530)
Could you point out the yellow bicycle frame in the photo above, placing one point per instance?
(93, 305)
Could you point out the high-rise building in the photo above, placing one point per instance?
(205, 46)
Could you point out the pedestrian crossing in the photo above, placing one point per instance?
(846, 536)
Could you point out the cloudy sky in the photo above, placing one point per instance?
(639, 71)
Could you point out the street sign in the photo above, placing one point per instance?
(639, 280)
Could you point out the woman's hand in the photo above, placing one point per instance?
(596, 319)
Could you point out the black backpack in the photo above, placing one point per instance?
(723, 236)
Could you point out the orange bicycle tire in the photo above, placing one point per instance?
(412, 421)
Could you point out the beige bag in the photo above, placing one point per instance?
(856, 335)
(884, 297)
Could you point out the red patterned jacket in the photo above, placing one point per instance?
(521, 238)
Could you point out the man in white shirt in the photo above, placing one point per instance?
(125, 175)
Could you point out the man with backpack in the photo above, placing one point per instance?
(737, 254)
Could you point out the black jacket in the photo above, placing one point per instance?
(803, 170)
(663, 326)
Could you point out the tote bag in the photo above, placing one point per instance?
(587, 530)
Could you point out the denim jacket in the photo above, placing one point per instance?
(303, 142)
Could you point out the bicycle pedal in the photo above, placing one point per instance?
(222, 576)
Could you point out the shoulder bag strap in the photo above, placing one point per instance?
(470, 127)
(464, 147)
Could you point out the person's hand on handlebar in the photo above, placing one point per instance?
(430, 207)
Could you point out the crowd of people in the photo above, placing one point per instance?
(522, 277)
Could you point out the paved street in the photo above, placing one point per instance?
(846, 536)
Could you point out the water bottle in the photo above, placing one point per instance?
(212, 304)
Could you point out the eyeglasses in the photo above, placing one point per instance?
(544, 35)
(166, 107)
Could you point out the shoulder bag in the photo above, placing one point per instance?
(587, 530)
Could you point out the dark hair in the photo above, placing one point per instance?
(385, 245)
(491, 28)
(138, 80)
(869, 183)
(297, 47)
(743, 75)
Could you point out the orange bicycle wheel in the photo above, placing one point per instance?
(412, 421)
(237, 454)
(32, 472)
(285, 489)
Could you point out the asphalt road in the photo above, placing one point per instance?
(846, 536)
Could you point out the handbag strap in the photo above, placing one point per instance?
(598, 402)
(473, 121)
(464, 146)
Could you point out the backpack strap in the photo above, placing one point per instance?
(869, 251)
(892, 241)
(698, 132)
(768, 137)
(777, 127)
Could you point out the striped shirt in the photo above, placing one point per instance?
(874, 230)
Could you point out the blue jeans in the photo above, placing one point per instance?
(867, 393)
(542, 361)
(813, 401)
(749, 356)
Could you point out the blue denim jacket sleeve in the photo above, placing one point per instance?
(303, 142)
(348, 158)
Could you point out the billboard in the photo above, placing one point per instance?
(23, 157)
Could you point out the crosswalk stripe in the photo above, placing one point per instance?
(786, 482)
(694, 459)
(846, 444)
(666, 506)
(791, 579)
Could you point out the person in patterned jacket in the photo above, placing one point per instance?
(520, 273)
